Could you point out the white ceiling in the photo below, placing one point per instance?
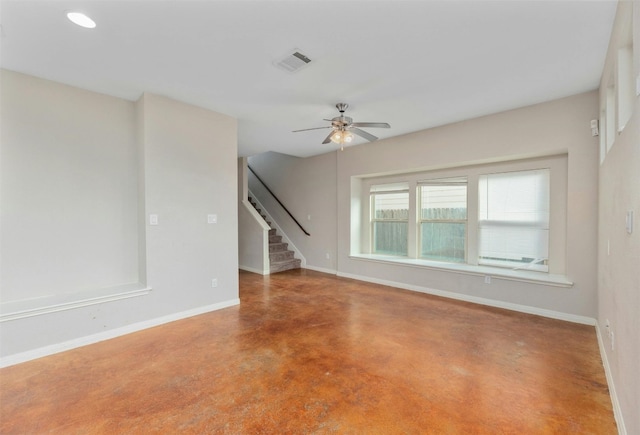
(414, 64)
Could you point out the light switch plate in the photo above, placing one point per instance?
(212, 218)
(153, 219)
(629, 223)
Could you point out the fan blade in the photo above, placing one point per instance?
(328, 138)
(307, 129)
(371, 124)
(364, 134)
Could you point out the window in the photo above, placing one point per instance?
(389, 218)
(443, 219)
(513, 219)
(611, 117)
(626, 85)
(505, 218)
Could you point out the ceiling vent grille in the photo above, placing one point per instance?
(293, 62)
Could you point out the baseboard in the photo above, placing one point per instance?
(254, 270)
(477, 300)
(321, 269)
(113, 333)
(617, 411)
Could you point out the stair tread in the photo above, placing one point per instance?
(279, 245)
(288, 260)
(285, 265)
(277, 256)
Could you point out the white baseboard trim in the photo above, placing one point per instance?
(113, 333)
(477, 300)
(321, 269)
(617, 411)
(254, 270)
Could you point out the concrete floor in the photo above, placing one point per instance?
(307, 352)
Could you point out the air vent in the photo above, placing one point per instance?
(293, 62)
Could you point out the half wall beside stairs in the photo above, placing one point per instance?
(280, 257)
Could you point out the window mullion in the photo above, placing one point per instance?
(472, 219)
(412, 230)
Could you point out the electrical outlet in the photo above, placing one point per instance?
(214, 282)
(487, 279)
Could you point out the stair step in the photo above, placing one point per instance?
(276, 257)
(275, 239)
(284, 265)
(277, 247)
(272, 232)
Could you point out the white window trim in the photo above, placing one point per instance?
(421, 220)
(546, 173)
(373, 219)
(557, 233)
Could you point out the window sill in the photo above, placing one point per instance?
(50, 304)
(468, 269)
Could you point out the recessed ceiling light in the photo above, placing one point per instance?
(81, 20)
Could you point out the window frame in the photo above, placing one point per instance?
(372, 213)
(450, 181)
(360, 240)
(504, 223)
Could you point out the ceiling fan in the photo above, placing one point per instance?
(343, 128)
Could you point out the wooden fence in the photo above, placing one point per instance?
(438, 240)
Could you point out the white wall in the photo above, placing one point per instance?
(190, 172)
(619, 252)
(69, 189)
(107, 164)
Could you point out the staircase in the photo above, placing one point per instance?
(280, 258)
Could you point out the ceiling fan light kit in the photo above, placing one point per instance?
(341, 137)
(344, 128)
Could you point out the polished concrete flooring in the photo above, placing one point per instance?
(310, 353)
